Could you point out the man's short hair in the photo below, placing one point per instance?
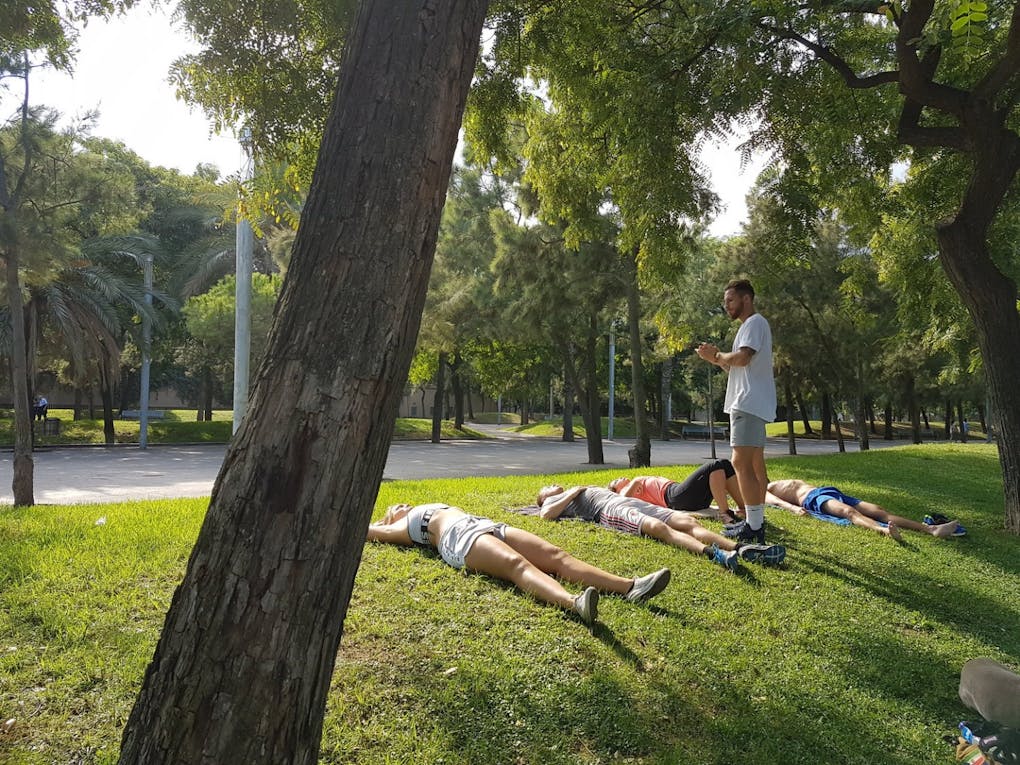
(741, 286)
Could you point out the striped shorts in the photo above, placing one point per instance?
(623, 519)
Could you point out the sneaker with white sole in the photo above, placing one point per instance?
(773, 555)
(728, 559)
(743, 532)
(647, 586)
(586, 605)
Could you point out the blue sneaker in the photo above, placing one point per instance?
(728, 559)
(772, 555)
(744, 533)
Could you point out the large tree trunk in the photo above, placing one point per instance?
(826, 415)
(23, 483)
(568, 409)
(991, 300)
(457, 389)
(641, 454)
(914, 409)
(665, 396)
(592, 412)
(438, 398)
(587, 388)
(862, 413)
(798, 396)
(243, 666)
(106, 400)
(791, 437)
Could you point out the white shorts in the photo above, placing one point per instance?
(457, 541)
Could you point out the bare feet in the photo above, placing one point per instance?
(943, 530)
(893, 531)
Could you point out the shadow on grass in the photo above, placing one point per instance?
(966, 609)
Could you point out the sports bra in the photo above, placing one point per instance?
(418, 518)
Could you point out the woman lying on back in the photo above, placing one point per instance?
(511, 554)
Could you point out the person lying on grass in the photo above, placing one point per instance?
(804, 499)
(512, 554)
(712, 481)
(632, 516)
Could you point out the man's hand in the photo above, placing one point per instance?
(708, 352)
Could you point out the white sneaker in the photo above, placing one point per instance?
(586, 605)
(647, 586)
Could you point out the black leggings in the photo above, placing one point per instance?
(694, 493)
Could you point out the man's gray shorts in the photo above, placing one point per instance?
(746, 430)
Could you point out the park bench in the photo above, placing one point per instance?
(701, 431)
(136, 414)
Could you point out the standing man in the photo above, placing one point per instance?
(750, 401)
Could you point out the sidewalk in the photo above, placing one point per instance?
(116, 474)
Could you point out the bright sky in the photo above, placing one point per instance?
(122, 69)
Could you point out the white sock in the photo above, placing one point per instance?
(755, 516)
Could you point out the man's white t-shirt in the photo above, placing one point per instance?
(752, 389)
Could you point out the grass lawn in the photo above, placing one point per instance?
(178, 426)
(623, 427)
(849, 653)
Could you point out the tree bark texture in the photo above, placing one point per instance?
(243, 666)
(568, 408)
(456, 384)
(592, 413)
(991, 300)
(791, 437)
(23, 482)
(438, 398)
(642, 451)
(665, 393)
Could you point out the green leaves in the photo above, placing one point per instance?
(967, 26)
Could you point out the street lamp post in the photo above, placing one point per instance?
(244, 245)
(143, 413)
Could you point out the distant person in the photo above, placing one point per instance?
(633, 516)
(750, 401)
(804, 499)
(711, 481)
(40, 407)
(514, 555)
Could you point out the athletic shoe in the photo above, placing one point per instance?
(937, 519)
(647, 586)
(744, 533)
(728, 559)
(770, 554)
(586, 605)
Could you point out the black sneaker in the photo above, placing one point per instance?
(771, 555)
(744, 533)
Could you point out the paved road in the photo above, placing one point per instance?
(111, 474)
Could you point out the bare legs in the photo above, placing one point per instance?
(879, 513)
(526, 560)
(691, 528)
(749, 462)
(843, 510)
(721, 486)
(656, 529)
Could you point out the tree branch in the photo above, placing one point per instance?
(851, 78)
(916, 74)
(1008, 65)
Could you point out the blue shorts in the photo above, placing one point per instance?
(815, 501)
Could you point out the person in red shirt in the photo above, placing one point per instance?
(712, 481)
